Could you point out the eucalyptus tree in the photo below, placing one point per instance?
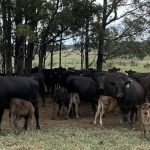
(63, 18)
(131, 25)
(6, 35)
(87, 9)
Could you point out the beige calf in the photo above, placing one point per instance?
(20, 108)
(145, 118)
(105, 104)
(74, 99)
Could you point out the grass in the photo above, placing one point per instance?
(75, 139)
(72, 59)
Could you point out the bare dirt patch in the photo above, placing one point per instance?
(86, 119)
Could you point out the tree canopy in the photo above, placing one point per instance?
(112, 28)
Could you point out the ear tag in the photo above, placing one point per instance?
(128, 85)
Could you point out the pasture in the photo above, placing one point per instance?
(72, 58)
(75, 134)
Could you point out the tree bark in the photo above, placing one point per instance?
(7, 56)
(60, 48)
(29, 55)
(101, 38)
(82, 49)
(87, 44)
(42, 53)
(19, 47)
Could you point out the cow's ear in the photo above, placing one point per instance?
(139, 107)
(112, 83)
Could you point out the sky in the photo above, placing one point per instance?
(70, 41)
(120, 12)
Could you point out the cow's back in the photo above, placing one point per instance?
(20, 87)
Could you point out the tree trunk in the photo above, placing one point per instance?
(82, 48)
(42, 53)
(9, 48)
(60, 48)
(6, 16)
(52, 53)
(100, 52)
(29, 55)
(101, 38)
(19, 47)
(87, 44)
(3, 64)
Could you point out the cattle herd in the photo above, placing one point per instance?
(104, 90)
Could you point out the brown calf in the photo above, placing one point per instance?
(105, 104)
(20, 108)
(74, 99)
(145, 118)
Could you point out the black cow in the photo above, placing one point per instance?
(137, 75)
(39, 77)
(114, 69)
(19, 87)
(134, 96)
(85, 87)
(143, 79)
(129, 93)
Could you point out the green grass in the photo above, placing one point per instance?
(72, 59)
(75, 139)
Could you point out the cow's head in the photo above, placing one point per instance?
(120, 87)
(114, 69)
(100, 81)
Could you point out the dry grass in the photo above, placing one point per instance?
(72, 59)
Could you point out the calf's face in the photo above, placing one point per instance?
(145, 110)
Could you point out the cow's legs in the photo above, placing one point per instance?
(102, 111)
(70, 104)
(1, 115)
(11, 118)
(43, 99)
(93, 106)
(15, 120)
(25, 123)
(59, 108)
(36, 113)
(132, 118)
(125, 119)
(54, 108)
(77, 109)
(96, 115)
(29, 122)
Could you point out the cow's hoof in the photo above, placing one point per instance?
(52, 118)
(38, 128)
(67, 118)
(94, 123)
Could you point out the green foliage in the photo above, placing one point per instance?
(25, 31)
(147, 65)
